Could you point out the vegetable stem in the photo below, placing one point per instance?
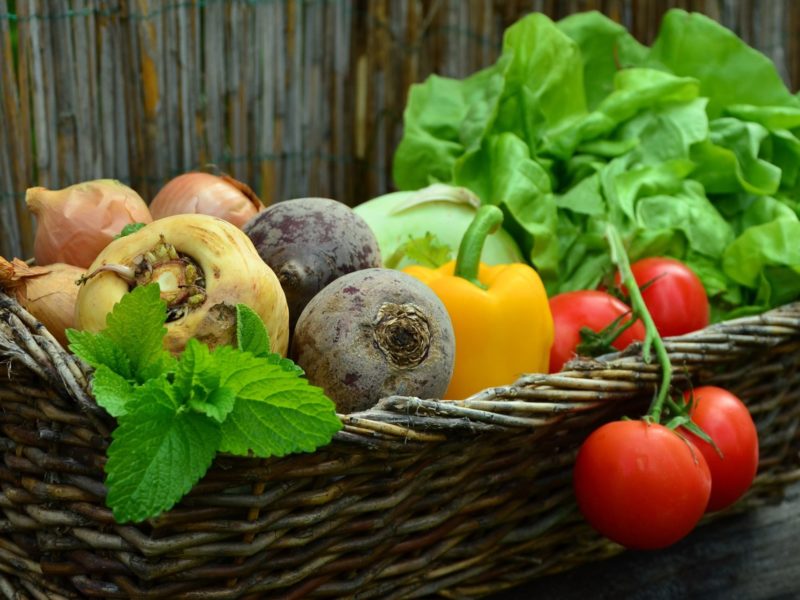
(652, 337)
(486, 221)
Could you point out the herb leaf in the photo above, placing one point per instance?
(174, 415)
(111, 390)
(198, 381)
(158, 452)
(99, 351)
(137, 326)
(251, 334)
(132, 343)
(277, 414)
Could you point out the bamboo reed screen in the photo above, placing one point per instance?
(294, 97)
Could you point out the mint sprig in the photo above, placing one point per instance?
(175, 414)
(132, 345)
(252, 336)
(159, 450)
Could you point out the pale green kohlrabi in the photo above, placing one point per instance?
(426, 226)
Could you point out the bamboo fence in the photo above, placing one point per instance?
(294, 97)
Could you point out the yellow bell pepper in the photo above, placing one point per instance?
(500, 314)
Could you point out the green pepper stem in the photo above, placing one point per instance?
(652, 337)
(487, 220)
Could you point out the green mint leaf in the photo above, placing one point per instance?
(198, 382)
(196, 373)
(238, 369)
(136, 324)
(99, 351)
(218, 404)
(251, 334)
(277, 413)
(158, 453)
(129, 229)
(111, 390)
(132, 343)
(286, 364)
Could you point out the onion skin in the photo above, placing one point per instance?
(77, 222)
(48, 293)
(234, 273)
(219, 196)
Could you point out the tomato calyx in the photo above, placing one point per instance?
(596, 343)
(682, 418)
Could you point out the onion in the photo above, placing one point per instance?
(75, 223)
(218, 196)
(48, 293)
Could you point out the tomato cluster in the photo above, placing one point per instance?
(674, 296)
(646, 486)
(640, 483)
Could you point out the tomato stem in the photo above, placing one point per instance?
(652, 338)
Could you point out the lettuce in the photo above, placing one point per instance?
(689, 148)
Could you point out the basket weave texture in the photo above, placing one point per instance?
(413, 497)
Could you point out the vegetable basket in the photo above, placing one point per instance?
(413, 497)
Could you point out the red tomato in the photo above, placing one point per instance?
(726, 420)
(586, 308)
(673, 294)
(641, 484)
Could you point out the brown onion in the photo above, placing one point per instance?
(75, 223)
(48, 293)
(218, 196)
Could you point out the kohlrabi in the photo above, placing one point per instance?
(426, 226)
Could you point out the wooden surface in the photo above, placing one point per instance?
(753, 556)
(294, 97)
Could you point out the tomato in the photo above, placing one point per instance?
(727, 421)
(673, 294)
(641, 484)
(586, 308)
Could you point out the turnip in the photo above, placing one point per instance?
(375, 333)
(204, 267)
(309, 242)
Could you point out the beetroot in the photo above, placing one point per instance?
(375, 333)
(308, 243)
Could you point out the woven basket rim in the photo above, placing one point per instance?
(533, 400)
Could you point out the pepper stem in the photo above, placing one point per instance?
(487, 220)
(652, 337)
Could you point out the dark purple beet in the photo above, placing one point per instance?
(309, 242)
(372, 334)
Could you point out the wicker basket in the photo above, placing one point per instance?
(412, 497)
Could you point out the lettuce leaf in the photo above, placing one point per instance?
(578, 125)
(729, 71)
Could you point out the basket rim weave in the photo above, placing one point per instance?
(430, 436)
(533, 400)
